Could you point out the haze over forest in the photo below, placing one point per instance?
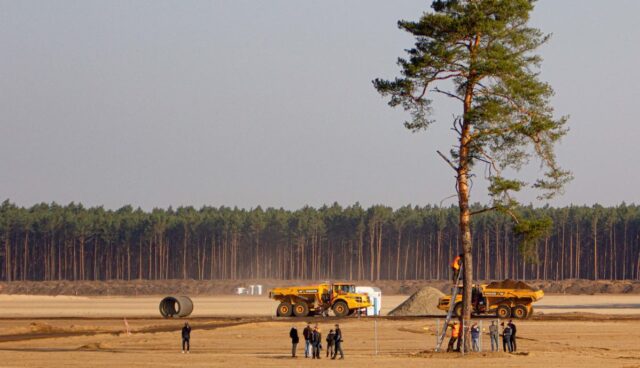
(114, 112)
(242, 103)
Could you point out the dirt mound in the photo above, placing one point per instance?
(422, 302)
(510, 284)
(226, 287)
(42, 327)
(95, 346)
(588, 287)
(190, 287)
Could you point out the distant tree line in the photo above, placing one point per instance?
(54, 242)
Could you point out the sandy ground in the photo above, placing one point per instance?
(233, 305)
(602, 303)
(72, 306)
(59, 338)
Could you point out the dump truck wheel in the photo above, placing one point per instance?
(340, 309)
(457, 310)
(503, 311)
(519, 311)
(284, 309)
(301, 310)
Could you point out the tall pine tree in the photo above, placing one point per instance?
(481, 53)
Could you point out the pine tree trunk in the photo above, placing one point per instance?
(378, 260)
(594, 233)
(7, 257)
(372, 237)
(184, 253)
(25, 256)
(398, 253)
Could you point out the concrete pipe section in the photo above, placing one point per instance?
(176, 306)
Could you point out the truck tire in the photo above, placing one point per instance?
(457, 309)
(284, 309)
(340, 308)
(519, 311)
(301, 310)
(503, 311)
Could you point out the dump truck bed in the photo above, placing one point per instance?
(534, 295)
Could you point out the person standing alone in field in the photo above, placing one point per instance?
(338, 343)
(513, 335)
(331, 341)
(293, 334)
(494, 333)
(186, 337)
(306, 333)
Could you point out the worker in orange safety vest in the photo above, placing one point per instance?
(455, 334)
(455, 267)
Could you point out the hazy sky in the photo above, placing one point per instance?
(157, 103)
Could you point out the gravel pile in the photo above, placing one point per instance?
(423, 302)
(510, 284)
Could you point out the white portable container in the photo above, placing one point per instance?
(375, 295)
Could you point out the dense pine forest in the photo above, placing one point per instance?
(54, 242)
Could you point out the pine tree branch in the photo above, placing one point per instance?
(483, 211)
(447, 161)
(448, 94)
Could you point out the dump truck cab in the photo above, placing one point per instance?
(302, 301)
(343, 289)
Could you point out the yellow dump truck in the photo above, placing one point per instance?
(302, 301)
(503, 299)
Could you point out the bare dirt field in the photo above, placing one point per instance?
(227, 287)
(41, 306)
(43, 331)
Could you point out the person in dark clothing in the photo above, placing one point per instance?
(506, 338)
(475, 337)
(186, 336)
(331, 341)
(316, 342)
(293, 334)
(338, 343)
(513, 335)
(306, 333)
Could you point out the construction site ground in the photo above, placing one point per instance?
(45, 331)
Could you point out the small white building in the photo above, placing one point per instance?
(375, 295)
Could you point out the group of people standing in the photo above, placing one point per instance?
(508, 337)
(313, 341)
